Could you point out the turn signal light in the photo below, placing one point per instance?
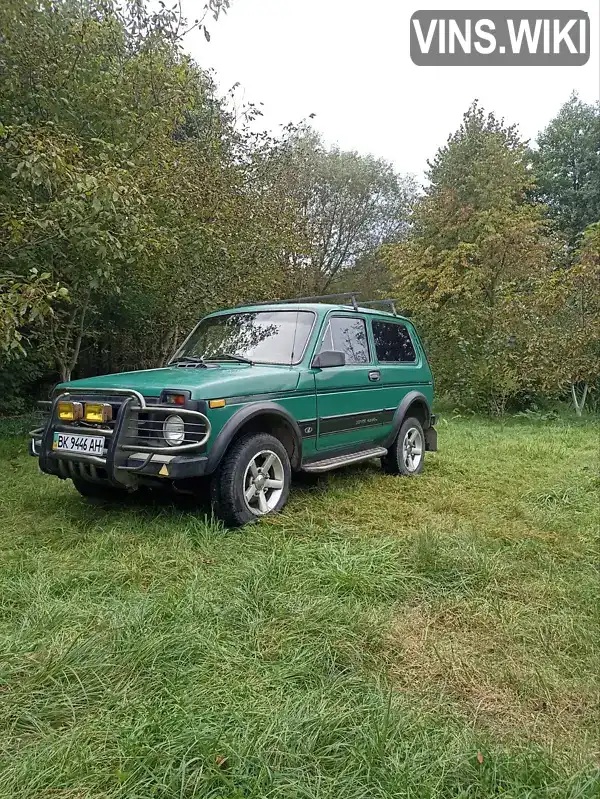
(220, 403)
(70, 411)
(97, 412)
(176, 399)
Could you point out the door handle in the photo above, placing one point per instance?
(374, 376)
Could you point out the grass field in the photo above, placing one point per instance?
(420, 638)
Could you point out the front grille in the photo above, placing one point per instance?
(147, 429)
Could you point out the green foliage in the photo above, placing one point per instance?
(567, 167)
(81, 102)
(478, 250)
(144, 202)
(24, 302)
(23, 379)
(127, 179)
(563, 346)
(346, 204)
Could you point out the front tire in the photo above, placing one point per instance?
(253, 480)
(406, 456)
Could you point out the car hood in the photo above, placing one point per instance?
(214, 382)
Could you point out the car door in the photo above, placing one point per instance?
(348, 400)
(400, 361)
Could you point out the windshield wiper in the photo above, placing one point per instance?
(223, 355)
(190, 359)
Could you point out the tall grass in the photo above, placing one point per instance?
(421, 638)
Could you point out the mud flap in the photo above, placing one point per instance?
(430, 439)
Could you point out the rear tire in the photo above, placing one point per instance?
(253, 480)
(406, 456)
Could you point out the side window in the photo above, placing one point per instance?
(393, 343)
(348, 336)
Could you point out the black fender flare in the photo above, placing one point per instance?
(240, 418)
(400, 415)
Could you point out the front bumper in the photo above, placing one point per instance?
(128, 458)
(175, 467)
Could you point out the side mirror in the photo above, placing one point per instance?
(329, 358)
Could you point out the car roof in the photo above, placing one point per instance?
(316, 307)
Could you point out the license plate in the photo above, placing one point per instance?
(87, 445)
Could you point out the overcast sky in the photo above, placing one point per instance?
(348, 62)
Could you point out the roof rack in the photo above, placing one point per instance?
(348, 295)
(352, 296)
(390, 302)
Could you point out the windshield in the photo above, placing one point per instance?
(262, 336)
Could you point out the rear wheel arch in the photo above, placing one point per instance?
(414, 405)
(419, 409)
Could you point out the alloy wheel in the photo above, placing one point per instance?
(263, 482)
(412, 449)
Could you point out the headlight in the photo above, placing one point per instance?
(174, 430)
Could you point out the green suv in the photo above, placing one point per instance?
(253, 395)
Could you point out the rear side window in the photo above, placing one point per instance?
(348, 336)
(393, 343)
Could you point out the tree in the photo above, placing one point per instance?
(215, 188)
(80, 104)
(91, 97)
(476, 246)
(346, 204)
(125, 178)
(369, 276)
(567, 167)
(124, 175)
(579, 288)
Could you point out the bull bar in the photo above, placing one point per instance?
(117, 453)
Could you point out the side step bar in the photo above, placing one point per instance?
(344, 460)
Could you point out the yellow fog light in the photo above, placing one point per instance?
(220, 403)
(70, 411)
(97, 412)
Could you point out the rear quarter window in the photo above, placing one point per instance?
(393, 343)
